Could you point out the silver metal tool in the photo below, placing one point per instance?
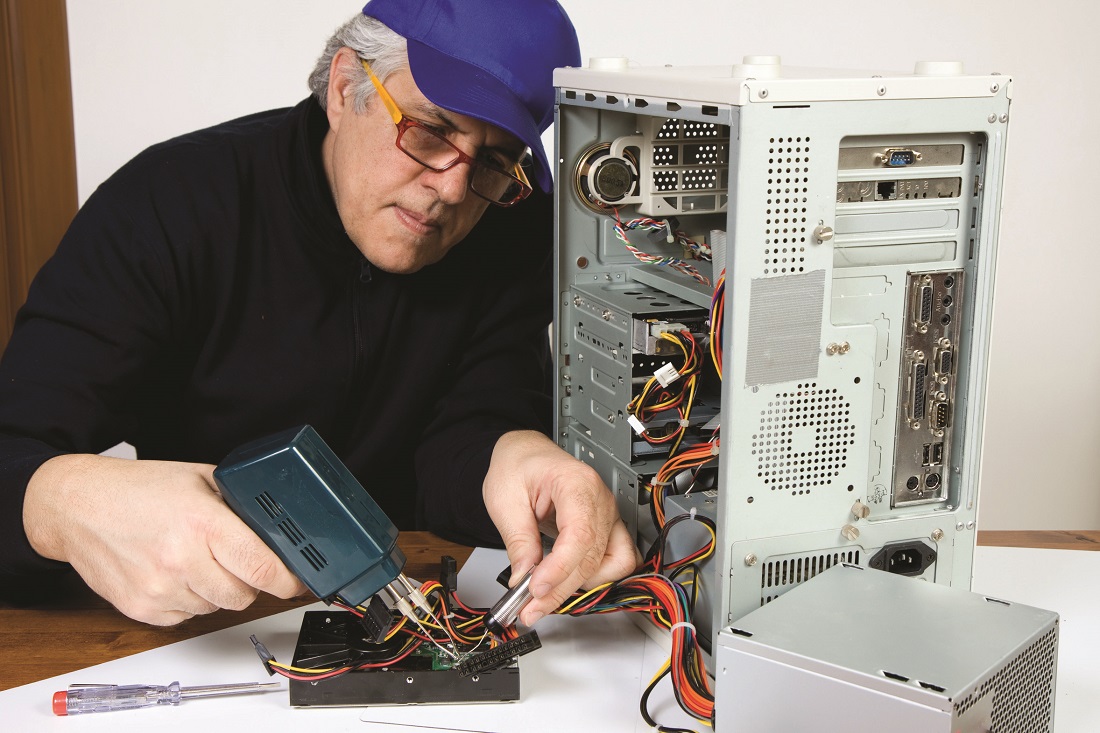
(505, 612)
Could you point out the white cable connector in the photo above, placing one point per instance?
(666, 375)
(635, 423)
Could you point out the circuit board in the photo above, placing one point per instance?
(334, 639)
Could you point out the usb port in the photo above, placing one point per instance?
(937, 454)
(927, 460)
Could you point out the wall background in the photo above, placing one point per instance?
(143, 71)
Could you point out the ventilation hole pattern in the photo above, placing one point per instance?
(779, 576)
(666, 180)
(1021, 689)
(672, 129)
(665, 155)
(682, 164)
(785, 226)
(781, 465)
(700, 179)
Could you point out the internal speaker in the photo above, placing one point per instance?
(602, 180)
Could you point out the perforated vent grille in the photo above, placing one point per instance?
(803, 439)
(785, 230)
(780, 575)
(1022, 690)
(690, 156)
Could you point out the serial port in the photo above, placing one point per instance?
(941, 416)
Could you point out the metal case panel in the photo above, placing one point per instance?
(841, 201)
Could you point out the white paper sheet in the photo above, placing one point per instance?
(588, 676)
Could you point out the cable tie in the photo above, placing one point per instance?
(714, 449)
(685, 423)
(693, 512)
(678, 624)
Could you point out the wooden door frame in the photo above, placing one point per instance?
(38, 195)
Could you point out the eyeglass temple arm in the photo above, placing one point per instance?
(521, 175)
(395, 113)
(391, 106)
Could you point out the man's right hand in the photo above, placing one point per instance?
(154, 538)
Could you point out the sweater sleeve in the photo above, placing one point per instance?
(502, 381)
(94, 315)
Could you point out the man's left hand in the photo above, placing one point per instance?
(533, 484)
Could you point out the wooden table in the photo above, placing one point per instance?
(51, 639)
(46, 640)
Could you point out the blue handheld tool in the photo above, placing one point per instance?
(296, 494)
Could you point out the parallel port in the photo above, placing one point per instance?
(920, 375)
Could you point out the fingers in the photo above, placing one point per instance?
(621, 558)
(246, 566)
(154, 538)
(592, 546)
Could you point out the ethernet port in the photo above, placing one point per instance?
(911, 558)
(886, 190)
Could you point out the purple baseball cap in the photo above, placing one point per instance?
(488, 59)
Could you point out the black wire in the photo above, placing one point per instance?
(644, 708)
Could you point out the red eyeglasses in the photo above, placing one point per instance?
(490, 180)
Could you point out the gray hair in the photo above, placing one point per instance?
(370, 39)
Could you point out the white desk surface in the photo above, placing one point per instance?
(588, 676)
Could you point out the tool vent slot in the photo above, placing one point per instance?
(269, 505)
(785, 226)
(292, 532)
(314, 557)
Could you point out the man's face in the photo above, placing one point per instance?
(401, 215)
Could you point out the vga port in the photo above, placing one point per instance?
(941, 416)
(945, 362)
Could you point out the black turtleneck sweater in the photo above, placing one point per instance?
(207, 295)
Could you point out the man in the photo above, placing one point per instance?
(296, 267)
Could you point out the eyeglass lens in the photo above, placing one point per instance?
(435, 152)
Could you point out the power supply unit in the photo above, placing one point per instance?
(857, 650)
